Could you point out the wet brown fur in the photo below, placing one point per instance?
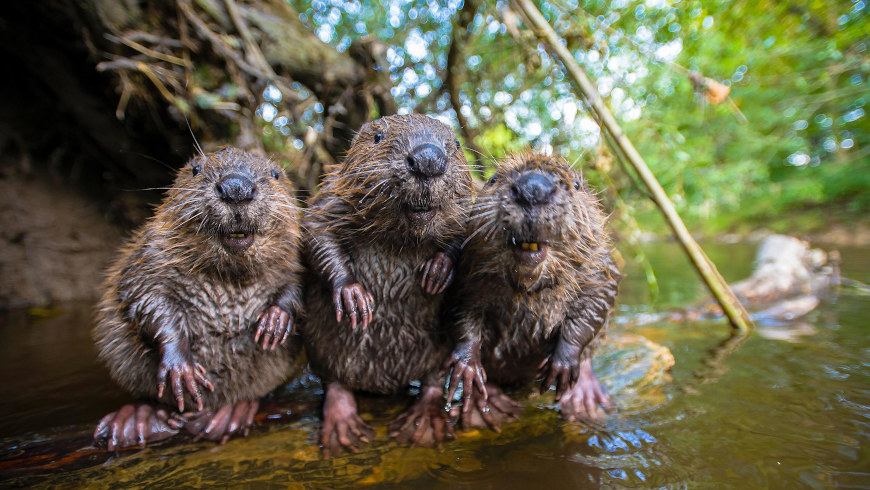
(175, 280)
(520, 314)
(358, 226)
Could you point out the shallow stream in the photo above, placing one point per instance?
(788, 407)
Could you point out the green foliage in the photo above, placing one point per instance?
(794, 134)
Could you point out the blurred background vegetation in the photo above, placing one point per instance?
(792, 141)
(788, 149)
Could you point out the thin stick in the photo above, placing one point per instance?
(732, 307)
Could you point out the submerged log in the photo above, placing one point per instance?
(788, 279)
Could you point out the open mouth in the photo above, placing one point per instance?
(529, 253)
(237, 241)
(420, 213)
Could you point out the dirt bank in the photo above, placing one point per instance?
(54, 243)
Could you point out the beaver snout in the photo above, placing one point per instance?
(427, 161)
(533, 189)
(236, 189)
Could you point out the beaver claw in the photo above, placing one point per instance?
(559, 371)
(425, 423)
(358, 303)
(136, 424)
(466, 368)
(437, 273)
(229, 420)
(582, 400)
(489, 413)
(182, 374)
(274, 326)
(343, 428)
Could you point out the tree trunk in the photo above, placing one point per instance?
(107, 98)
(107, 88)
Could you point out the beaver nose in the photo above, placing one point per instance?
(532, 189)
(427, 160)
(236, 189)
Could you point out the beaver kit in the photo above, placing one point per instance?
(383, 235)
(534, 292)
(199, 307)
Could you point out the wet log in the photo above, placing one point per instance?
(788, 278)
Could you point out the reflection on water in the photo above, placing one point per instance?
(789, 406)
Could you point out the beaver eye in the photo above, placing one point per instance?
(276, 174)
(379, 136)
(577, 184)
(493, 180)
(195, 170)
(458, 144)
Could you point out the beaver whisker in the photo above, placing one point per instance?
(470, 237)
(379, 185)
(278, 205)
(187, 219)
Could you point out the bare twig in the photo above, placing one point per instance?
(146, 51)
(217, 43)
(452, 79)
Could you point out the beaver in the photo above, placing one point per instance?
(536, 287)
(383, 234)
(199, 306)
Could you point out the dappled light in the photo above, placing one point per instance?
(407, 272)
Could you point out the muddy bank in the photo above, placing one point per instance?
(54, 243)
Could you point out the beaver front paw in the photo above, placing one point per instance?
(437, 273)
(561, 372)
(425, 423)
(182, 374)
(467, 369)
(136, 424)
(356, 301)
(231, 419)
(561, 368)
(274, 326)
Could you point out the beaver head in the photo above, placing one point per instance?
(230, 210)
(533, 221)
(406, 176)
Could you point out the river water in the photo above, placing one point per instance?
(788, 407)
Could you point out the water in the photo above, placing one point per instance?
(788, 407)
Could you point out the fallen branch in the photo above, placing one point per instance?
(735, 312)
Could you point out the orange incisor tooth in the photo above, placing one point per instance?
(525, 246)
(533, 247)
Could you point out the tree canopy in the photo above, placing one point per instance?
(746, 111)
(791, 135)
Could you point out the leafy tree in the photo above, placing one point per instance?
(793, 133)
(296, 78)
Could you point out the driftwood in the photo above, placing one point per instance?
(786, 284)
